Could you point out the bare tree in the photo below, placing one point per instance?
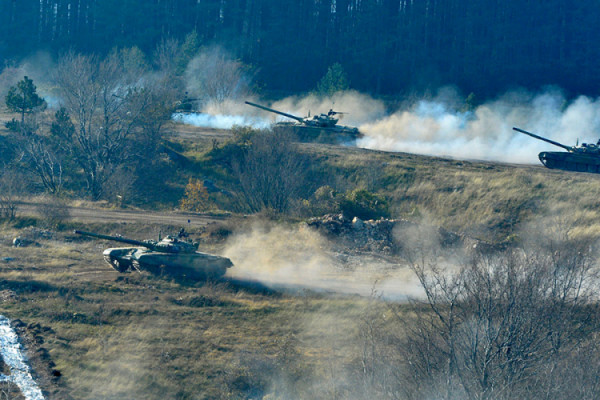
(272, 173)
(215, 77)
(12, 184)
(494, 327)
(377, 376)
(35, 152)
(39, 155)
(153, 105)
(107, 107)
(166, 54)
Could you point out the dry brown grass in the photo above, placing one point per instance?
(486, 200)
(117, 336)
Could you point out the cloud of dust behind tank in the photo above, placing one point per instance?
(220, 121)
(356, 341)
(422, 246)
(296, 257)
(225, 113)
(356, 107)
(439, 127)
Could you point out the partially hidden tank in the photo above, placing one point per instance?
(320, 127)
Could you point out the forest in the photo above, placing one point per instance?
(387, 47)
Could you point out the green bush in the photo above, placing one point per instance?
(364, 205)
(235, 148)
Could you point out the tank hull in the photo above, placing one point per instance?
(195, 266)
(571, 161)
(332, 135)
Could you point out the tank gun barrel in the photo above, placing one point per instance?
(568, 148)
(116, 239)
(275, 111)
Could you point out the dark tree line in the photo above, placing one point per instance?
(386, 46)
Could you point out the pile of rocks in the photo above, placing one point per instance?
(370, 236)
(383, 235)
(30, 236)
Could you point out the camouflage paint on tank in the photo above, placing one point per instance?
(580, 158)
(172, 255)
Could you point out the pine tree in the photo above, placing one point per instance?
(23, 98)
(335, 80)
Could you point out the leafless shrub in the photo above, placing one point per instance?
(12, 184)
(215, 77)
(54, 211)
(272, 172)
(377, 376)
(494, 327)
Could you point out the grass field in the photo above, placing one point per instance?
(92, 333)
(134, 335)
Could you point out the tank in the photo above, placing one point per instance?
(171, 255)
(186, 105)
(581, 158)
(312, 127)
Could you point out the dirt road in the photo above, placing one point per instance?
(96, 214)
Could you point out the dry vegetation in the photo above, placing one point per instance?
(93, 333)
(486, 200)
(138, 336)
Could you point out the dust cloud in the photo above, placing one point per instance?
(438, 127)
(353, 107)
(297, 258)
(443, 125)
(220, 121)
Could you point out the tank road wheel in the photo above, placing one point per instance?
(145, 267)
(117, 264)
(135, 265)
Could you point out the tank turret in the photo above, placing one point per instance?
(172, 255)
(169, 244)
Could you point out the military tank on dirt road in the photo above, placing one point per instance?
(580, 158)
(171, 255)
(320, 127)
